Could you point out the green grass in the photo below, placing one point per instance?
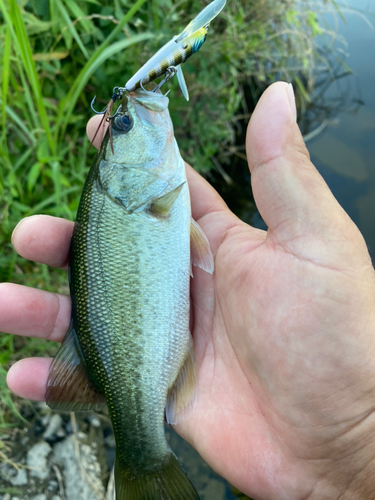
(57, 54)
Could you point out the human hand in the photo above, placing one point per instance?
(283, 330)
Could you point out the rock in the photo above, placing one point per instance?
(56, 497)
(20, 479)
(94, 421)
(214, 490)
(45, 420)
(42, 407)
(24, 440)
(53, 485)
(41, 496)
(81, 471)
(37, 460)
(7, 472)
(54, 426)
(110, 441)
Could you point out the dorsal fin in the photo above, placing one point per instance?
(68, 385)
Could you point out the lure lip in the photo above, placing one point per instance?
(203, 19)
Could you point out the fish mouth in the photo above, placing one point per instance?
(123, 121)
(150, 100)
(124, 102)
(146, 106)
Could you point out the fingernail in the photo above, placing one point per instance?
(15, 230)
(21, 222)
(292, 101)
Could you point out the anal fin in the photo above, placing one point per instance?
(201, 255)
(182, 395)
(68, 385)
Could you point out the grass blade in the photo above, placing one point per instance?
(92, 64)
(5, 75)
(71, 27)
(23, 48)
(28, 138)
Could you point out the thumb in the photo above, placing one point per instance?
(95, 129)
(291, 196)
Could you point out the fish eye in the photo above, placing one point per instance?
(123, 123)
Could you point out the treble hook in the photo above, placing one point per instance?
(141, 83)
(107, 108)
(171, 71)
(94, 110)
(116, 94)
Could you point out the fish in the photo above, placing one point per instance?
(177, 51)
(129, 345)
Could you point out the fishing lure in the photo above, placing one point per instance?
(167, 61)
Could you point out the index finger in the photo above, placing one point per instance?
(44, 239)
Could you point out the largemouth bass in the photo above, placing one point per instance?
(130, 260)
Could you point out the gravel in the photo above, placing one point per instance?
(80, 468)
(65, 457)
(37, 460)
(54, 460)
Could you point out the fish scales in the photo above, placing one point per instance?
(129, 272)
(140, 318)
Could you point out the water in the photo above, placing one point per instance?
(344, 153)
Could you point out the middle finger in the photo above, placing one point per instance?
(35, 313)
(44, 239)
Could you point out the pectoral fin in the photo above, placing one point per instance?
(182, 83)
(161, 206)
(68, 386)
(201, 255)
(182, 395)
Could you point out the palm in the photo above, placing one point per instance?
(266, 371)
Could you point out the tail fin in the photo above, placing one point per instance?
(167, 482)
